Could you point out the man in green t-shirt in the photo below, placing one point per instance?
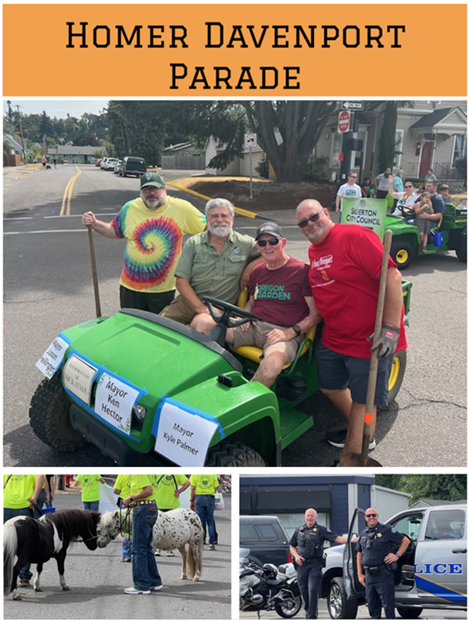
(90, 490)
(168, 489)
(203, 487)
(122, 489)
(145, 573)
(20, 491)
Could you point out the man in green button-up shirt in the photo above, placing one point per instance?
(216, 262)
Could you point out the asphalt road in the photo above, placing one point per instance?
(48, 287)
(97, 580)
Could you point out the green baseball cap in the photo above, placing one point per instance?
(151, 179)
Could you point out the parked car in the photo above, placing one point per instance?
(266, 538)
(431, 574)
(98, 163)
(102, 164)
(118, 167)
(133, 166)
(111, 163)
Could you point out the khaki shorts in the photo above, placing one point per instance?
(256, 336)
(179, 310)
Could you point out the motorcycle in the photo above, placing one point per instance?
(267, 587)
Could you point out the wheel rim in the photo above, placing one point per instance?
(335, 601)
(395, 370)
(402, 256)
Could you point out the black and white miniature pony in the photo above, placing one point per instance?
(176, 529)
(37, 541)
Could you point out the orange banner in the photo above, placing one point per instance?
(234, 50)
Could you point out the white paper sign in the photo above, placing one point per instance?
(52, 357)
(78, 377)
(114, 402)
(183, 437)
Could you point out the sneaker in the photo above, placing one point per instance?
(337, 439)
(211, 548)
(157, 552)
(24, 583)
(126, 560)
(133, 590)
(170, 554)
(156, 588)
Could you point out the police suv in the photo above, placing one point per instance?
(431, 574)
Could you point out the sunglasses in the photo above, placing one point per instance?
(408, 186)
(372, 515)
(263, 242)
(312, 218)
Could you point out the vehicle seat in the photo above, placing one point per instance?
(255, 354)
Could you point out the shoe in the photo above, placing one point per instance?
(170, 554)
(337, 439)
(126, 559)
(156, 588)
(133, 590)
(157, 552)
(24, 583)
(211, 548)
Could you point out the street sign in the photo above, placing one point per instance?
(250, 140)
(344, 122)
(352, 105)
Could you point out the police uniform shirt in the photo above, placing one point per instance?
(382, 537)
(305, 536)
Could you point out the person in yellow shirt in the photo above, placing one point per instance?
(168, 489)
(203, 487)
(122, 489)
(145, 573)
(20, 493)
(90, 490)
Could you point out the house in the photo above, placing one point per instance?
(425, 503)
(428, 135)
(182, 156)
(75, 154)
(333, 497)
(239, 166)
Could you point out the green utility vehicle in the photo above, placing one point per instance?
(137, 384)
(450, 234)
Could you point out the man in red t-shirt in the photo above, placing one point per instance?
(345, 268)
(280, 295)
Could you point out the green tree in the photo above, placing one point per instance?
(449, 487)
(387, 138)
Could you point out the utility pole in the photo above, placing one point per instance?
(22, 136)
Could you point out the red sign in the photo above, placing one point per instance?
(344, 121)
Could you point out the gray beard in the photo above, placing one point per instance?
(220, 231)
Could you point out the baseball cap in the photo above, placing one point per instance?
(151, 179)
(270, 228)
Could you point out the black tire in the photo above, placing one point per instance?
(399, 363)
(409, 612)
(461, 249)
(283, 609)
(338, 605)
(402, 254)
(233, 454)
(49, 419)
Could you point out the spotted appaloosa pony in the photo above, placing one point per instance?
(176, 529)
(37, 541)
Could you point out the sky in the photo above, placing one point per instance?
(57, 107)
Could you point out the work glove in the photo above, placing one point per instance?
(387, 341)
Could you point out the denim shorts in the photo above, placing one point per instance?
(337, 372)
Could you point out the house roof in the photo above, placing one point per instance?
(437, 502)
(446, 120)
(12, 142)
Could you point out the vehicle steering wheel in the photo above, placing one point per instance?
(406, 211)
(229, 313)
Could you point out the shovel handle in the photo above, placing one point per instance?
(94, 272)
(373, 373)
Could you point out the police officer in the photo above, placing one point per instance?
(306, 546)
(374, 563)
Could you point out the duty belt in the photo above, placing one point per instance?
(372, 570)
(143, 502)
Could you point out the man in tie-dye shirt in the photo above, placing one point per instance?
(154, 226)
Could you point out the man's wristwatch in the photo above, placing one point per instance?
(131, 499)
(397, 555)
(296, 329)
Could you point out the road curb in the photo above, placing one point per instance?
(239, 211)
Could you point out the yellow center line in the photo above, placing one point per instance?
(68, 193)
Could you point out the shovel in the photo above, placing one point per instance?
(94, 271)
(351, 459)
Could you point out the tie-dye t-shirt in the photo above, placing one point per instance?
(154, 242)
